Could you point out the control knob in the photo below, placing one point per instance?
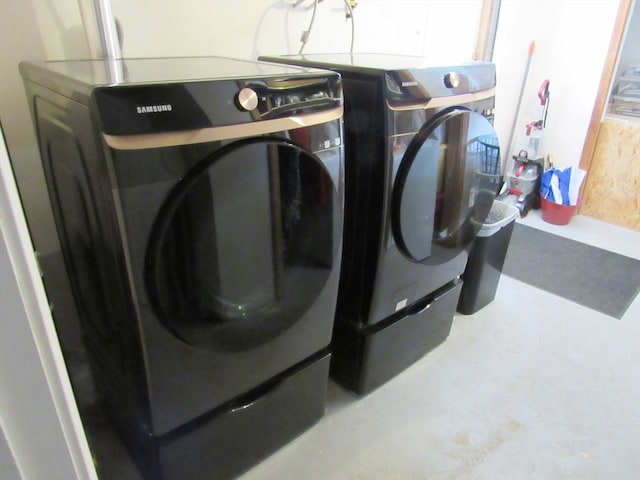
(247, 99)
(452, 80)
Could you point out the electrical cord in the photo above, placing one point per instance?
(353, 25)
(305, 34)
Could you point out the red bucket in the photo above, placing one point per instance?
(557, 214)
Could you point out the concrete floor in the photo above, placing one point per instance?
(530, 387)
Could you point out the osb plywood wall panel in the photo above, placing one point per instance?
(612, 189)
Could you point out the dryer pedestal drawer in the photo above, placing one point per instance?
(363, 360)
(232, 439)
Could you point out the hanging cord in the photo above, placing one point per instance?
(305, 35)
(353, 25)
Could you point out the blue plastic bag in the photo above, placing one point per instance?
(564, 179)
(545, 185)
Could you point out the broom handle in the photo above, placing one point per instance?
(532, 47)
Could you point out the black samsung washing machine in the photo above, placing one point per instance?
(198, 202)
(420, 178)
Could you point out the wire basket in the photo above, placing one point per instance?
(489, 155)
(487, 162)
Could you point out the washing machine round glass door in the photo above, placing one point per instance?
(244, 244)
(444, 186)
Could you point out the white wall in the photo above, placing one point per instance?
(33, 30)
(39, 421)
(249, 28)
(571, 43)
(8, 467)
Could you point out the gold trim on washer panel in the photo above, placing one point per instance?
(227, 132)
(447, 101)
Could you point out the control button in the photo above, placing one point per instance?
(247, 99)
(452, 80)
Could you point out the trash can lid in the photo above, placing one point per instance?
(500, 215)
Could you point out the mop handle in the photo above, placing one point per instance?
(532, 47)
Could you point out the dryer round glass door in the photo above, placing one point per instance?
(244, 244)
(443, 188)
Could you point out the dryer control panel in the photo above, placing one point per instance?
(145, 109)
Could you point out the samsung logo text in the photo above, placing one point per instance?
(154, 108)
